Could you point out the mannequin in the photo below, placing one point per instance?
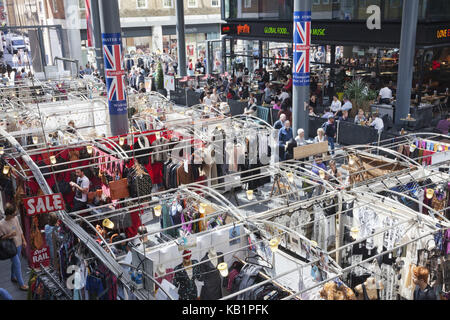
(185, 276)
(212, 255)
(212, 288)
(369, 290)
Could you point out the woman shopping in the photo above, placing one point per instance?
(10, 229)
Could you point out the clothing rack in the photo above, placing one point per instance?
(55, 281)
(265, 276)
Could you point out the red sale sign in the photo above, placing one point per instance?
(41, 256)
(44, 204)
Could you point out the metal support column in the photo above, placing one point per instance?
(300, 72)
(114, 70)
(97, 35)
(42, 49)
(406, 61)
(209, 57)
(260, 45)
(181, 40)
(224, 55)
(332, 85)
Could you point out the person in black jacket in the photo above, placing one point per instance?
(330, 132)
(423, 290)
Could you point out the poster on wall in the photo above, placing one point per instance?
(234, 233)
(169, 83)
(190, 49)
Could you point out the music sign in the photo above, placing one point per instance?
(44, 204)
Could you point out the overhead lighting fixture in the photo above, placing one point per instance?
(6, 169)
(35, 140)
(108, 224)
(53, 159)
(430, 193)
(157, 210)
(440, 148)
(89, 149)
(121, 141)
(223, 269)
(273, 244)
(313, 244)
(2, 150)
(354, 232)
(250, 194)
(412, 147)
(290, 176)
(351, 161)
(322, 174)
(202, 208)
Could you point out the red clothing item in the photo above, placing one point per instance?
(135, 223)
(289, 85)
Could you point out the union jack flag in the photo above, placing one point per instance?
(115, 73)
(302, 45)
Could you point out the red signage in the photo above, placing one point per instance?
(243, 29)
(40, 256)
(44, 204)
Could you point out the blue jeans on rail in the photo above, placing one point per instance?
(16, 267)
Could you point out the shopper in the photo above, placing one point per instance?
(385, 95)
(347, 105)
(284, 135)
(330, 132)
(81, 188)
(4, 295)
(328, 113)
(377, 123)
(10, 229)
(318, 165)
(277, 104)
(444, 125)
(320, 136)
(280, 122)
(48, 229)
(344, 116)
(334, 175)
(300, 138)
(336, 105)
(360, 119)
(423, 290)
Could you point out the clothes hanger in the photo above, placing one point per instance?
(246, 260)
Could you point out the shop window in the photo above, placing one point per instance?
(248, 4)
(167, 4)
(316, 2)
(81, 4)
(55, 6)
(215, 3)
(192, 4)
(325, 1)
(141, 4)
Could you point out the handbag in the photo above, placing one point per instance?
(119, 189)
(7, 249)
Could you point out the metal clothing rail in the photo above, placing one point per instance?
(61, 288)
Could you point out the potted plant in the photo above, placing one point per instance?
(358, 92)
(160, 80)
(339, 84)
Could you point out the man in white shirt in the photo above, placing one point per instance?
(347, 105)
(81, 188)
(207, 100)
(377, 123)
(385, 95)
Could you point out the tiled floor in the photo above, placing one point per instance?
(5, 279)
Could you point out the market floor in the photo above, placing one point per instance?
(5, 279)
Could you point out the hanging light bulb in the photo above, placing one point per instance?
(440, 148)
(412, 147)
(273, 244)
(2, 150)
(351, 161)
(6, 169)
(202, 208)
(53, 159)
(322, 174)
(223, 269)
(158, 135)
(89, 149)
(313, 244)
(290, 176)
(35, 140)
(157, 210)
(108, 224)
(121, 141)
(354, 232)
(430, 193)
(250, 194)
